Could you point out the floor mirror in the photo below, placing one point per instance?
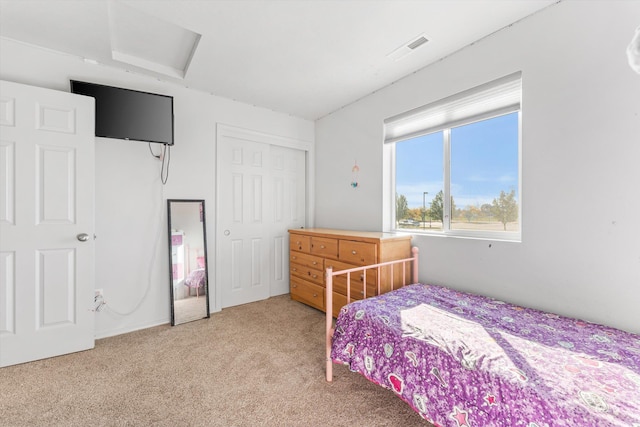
(189, 290)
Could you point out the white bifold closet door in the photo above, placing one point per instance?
(261, 195)
(46, 223)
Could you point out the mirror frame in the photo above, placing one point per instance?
(206, 260)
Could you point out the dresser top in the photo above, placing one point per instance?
(336, 233)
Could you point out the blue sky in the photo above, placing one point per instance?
(484, 161)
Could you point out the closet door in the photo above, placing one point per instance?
(46, 222)
(260, 195)
(288, 182)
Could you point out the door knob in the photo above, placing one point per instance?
(83, 237)
(227, 232)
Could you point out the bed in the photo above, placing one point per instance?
(460, 359)
(196, 279)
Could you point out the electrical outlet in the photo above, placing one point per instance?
(98, 300)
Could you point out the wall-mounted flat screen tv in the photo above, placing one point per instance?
(129, 114)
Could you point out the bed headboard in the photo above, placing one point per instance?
(390, 265)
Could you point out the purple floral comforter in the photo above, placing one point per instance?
(466, 360)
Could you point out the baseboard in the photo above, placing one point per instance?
(114, 332)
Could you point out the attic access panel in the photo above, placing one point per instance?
(148, 42)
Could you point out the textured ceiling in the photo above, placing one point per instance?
(306, 58)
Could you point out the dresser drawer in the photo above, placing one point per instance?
(357, 292)
(322, 246)
(312, 250)
(307, 259)
(339, 301)
(310, 274)
(361, 253)
(357, 279)
(299, 243)
(308, 293)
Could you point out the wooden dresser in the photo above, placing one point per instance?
(313, 250)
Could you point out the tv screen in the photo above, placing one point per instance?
(129, 114)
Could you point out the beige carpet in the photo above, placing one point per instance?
(260, 364)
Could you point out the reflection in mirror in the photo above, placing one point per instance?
(188, 261)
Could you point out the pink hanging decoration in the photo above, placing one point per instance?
(354, 175)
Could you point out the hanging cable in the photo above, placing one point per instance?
(165, 156)
(157, 156)
(152, 261)
(166, 159)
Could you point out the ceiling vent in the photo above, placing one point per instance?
(408, 48)
(417, 42)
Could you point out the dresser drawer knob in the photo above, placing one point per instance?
(315, 262)
(294, 269)
(353, 252)
(322, 246)
(315, 295)
(315, 276)
(294, 286)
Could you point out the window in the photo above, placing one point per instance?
(455, 164)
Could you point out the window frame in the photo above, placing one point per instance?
(389, 187)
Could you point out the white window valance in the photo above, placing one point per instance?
(500, 96)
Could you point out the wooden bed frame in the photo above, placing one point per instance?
(330, 274)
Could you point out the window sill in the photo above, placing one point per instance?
(488, 236)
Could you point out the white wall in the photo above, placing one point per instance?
(131, 247)
(580, 249)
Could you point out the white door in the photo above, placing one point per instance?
(46, 209)
(261, 194)
(288, 195)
